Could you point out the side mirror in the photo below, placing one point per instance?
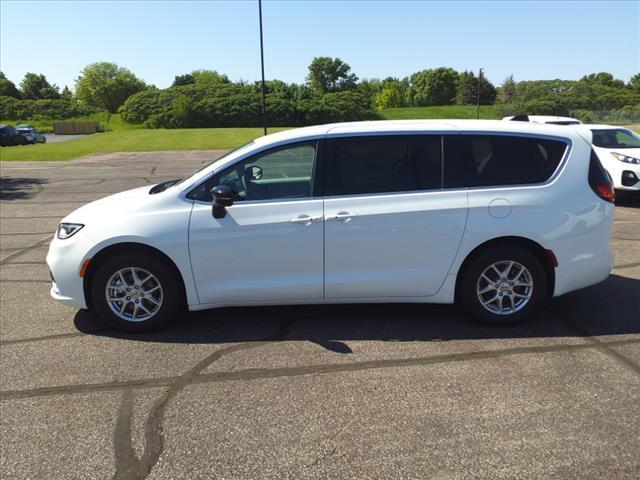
(222, 197)
(254, 172)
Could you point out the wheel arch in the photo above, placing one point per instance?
(534, 247)
(103, 254)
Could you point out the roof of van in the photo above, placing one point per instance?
(404, 126)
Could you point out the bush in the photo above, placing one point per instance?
(233, 105)
(336, 107)
(620, 116)
(14, 109)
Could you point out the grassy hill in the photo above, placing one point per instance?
(487, 112)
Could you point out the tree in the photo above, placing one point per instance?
(105, 85)
(186, 79)
(36, 87)
(7, 87)
(468, 90)
(66, 94)
(603, 78)
(507, 90)
(328, 74)
(208, 77)
(433, 87)
(200, 77)
(369, 87)
(634, 83)
(391, 96)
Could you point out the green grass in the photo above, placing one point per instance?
(122, 137)
(487, 112)
(136, 140)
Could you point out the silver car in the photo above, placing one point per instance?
(31, 134)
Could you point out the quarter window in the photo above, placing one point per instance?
(493, 160)
(379, 164)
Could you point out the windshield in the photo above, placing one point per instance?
(24, 130)
(616, 138)
(212, 164)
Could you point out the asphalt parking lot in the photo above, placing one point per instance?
(53, 138)
(352, 391)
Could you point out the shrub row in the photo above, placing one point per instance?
(232, 105)
(14, 109)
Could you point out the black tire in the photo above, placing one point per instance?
(172, 297)
(471, 284)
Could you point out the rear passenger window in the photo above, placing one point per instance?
(379, 164)
(493, 160)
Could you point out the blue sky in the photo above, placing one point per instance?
(160, 39)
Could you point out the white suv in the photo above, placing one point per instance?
(495, 215)
(546, 119)
(619, 151)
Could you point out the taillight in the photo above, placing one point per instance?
(599, 179)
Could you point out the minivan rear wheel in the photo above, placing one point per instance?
(504, 285)
(135, 293)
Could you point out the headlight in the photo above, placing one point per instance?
(625, 158)
(66, 230)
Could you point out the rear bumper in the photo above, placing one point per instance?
(582, 271)
(585, 259)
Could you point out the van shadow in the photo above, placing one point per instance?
(609, 308)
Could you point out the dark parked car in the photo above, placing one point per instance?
(10, 136)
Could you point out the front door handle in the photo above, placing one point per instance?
(345, 216)
(305, 219)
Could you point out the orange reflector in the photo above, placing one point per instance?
(552, 257)
(84, 266)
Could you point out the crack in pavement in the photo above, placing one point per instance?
(265, 373)
(54, 336)
(604, 347)
(625, 265)
(626, 239)
(128, 465)
(23, 280)
(21, 252)
(24, 233)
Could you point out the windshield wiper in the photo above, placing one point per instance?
(161, 187)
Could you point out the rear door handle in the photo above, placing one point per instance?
(305, 219)
(346, 216)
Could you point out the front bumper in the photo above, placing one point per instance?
(626, 176)
(64, 259)
(72, 302)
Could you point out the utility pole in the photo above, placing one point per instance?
(478, 98)
(264, 87)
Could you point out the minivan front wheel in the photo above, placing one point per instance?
(135, 293)
(504, 285)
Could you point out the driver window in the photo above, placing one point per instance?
(282, 173)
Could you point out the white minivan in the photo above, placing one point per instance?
(497, 216)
